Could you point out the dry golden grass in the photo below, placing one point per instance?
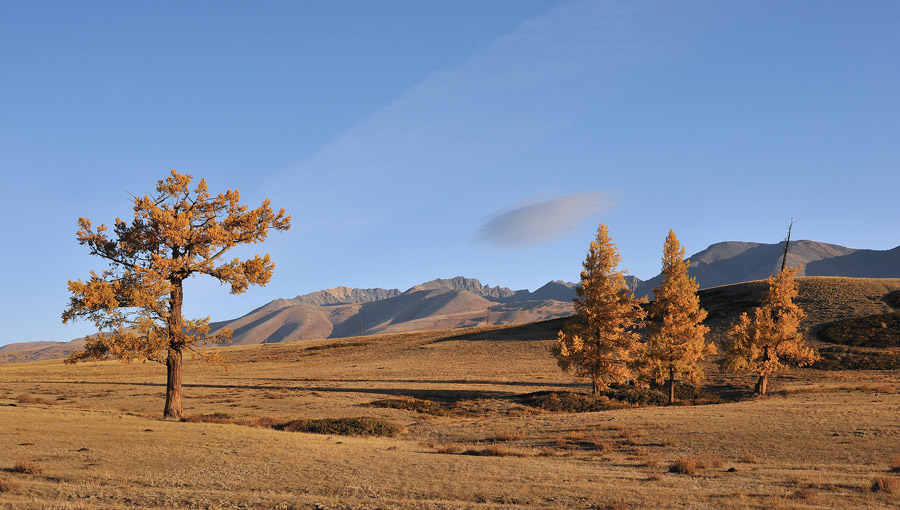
(103, 445)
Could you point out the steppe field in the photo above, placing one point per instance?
(474, 418)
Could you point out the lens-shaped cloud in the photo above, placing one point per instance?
(542, 222)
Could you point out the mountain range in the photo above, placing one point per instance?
(465, 302)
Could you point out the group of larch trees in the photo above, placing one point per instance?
(602, 341)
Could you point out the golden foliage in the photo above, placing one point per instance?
(676, 342)
(176, 233)
(769, 336)
(598, 342)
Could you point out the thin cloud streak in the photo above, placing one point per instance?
(542, 222)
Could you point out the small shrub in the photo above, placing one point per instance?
(685, 465)
(510, 435)
(7, 485)
(713, 461)
(669, 441)
(894, 464)
(26, 398)
(363, 426)
(448, 448)
(494, 450)
(886, 484)
(27, 467)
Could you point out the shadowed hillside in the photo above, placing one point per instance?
(734, 262)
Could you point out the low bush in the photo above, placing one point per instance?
(27, 467)
(363, 426)
(209, 418)
(494, 450)
(685, 465)
(886, 484)
(26, 398)
(615, 397)
(414, 404)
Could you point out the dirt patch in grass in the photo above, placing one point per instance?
(851, 358)
(362, 426)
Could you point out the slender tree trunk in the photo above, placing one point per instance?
(671, 386)
(761, 385)
(175, 326)
(593, 386)
(173, 385)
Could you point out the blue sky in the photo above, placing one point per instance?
(415, 140)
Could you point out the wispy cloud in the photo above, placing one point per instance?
(460, 125)
(542, 222)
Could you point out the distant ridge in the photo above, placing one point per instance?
(734, 262)
(460, 302)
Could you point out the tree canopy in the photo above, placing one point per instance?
(175, 233)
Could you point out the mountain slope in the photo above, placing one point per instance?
(734, 262)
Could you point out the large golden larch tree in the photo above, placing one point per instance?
(767, 338)
(136, 303)
(676, 342)
(598, 342)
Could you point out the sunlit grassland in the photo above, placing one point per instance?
(93, 430)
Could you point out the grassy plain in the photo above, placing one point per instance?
(90, 435)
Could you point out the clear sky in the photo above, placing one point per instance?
(414, 140)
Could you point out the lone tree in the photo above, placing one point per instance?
(764, 340)
(676, 342)
(175, 233)
(599, 340)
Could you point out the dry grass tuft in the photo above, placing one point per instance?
(448, 448)
(748, 458)
(26, 398)
(510, 435)
(685, 465)
(27, 467)
(894, 464)
(886, 484)
(494, 450)
(7, 485)
(713, 461)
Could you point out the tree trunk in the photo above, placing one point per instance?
(671, 386)
(594, 386)
(761, 385)
(175, 326)
(173, 385)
